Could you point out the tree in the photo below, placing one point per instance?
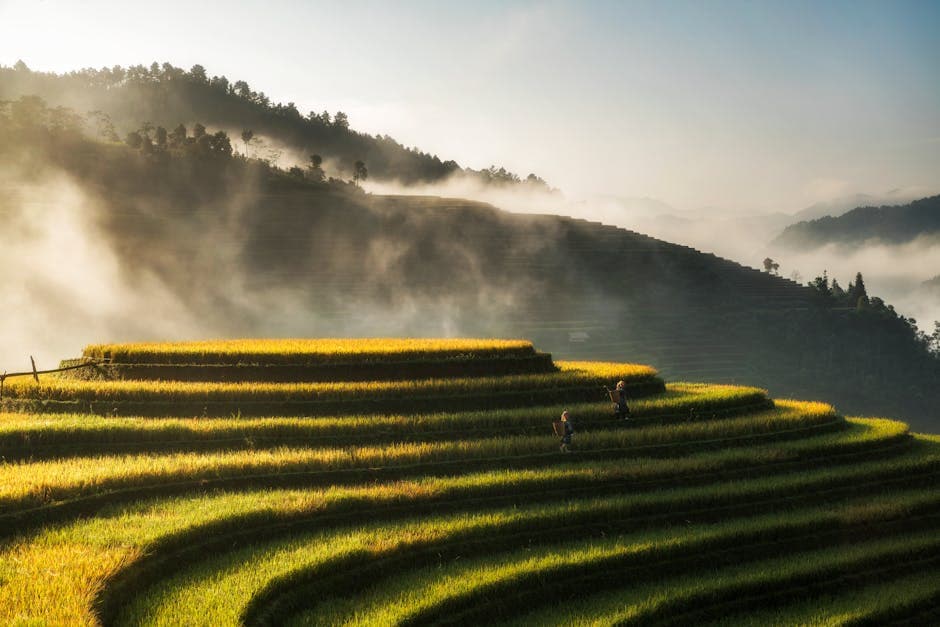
(178, 137)
(934, 340)
(171, 72)
(857, 294)
(134, 140)
(771, 266)
(821, 284)
(203, 145)
(118, 74)
(315, 169)
(28, 111)
(105, 126)
(533, 181)
(19, 66)
(64, 119)
(220, 144)
(837, 291)
(289, 110)
(220, 83)
(247, 136)
(499, 176)
(198, 74)
(160, 136)
(243, 90)
(360, 173)
(198, 131)
(341, 120)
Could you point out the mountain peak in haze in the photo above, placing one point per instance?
(895, 224)
(839, 206)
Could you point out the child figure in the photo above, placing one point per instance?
(623, 412)
(566, 431)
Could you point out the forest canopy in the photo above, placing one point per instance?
(164, 95)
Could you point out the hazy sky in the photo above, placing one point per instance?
(744, 105)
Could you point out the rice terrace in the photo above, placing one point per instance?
(428, 312)
(381, 482)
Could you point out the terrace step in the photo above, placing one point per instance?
(299, 373)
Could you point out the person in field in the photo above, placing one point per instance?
(564, 430)
(618, 397)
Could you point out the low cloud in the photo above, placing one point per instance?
(62, 283)
(894, 273)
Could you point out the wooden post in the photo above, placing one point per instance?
(35, 374)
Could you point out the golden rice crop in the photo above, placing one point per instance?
(381, 483)
(23, 435)
(571, 374)
(23, 484)
(308, 351)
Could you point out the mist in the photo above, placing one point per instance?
(63, 286)
(86, 264)
(893, 273)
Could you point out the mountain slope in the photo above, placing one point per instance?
(884, 225)
(194, 240)
(164, 95)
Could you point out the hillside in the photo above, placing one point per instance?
(238, 248)
(355, 501)
(839, 206)
(882, 225)
(127, 100)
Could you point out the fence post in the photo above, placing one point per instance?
(36, 372)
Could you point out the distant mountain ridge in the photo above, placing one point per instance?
(898, 224)
(133, 98)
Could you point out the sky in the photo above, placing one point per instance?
(747, 106)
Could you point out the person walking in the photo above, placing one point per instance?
(618, 397)
(564, 429)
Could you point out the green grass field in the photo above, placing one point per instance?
(712, 505)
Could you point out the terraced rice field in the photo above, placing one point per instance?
(309, 351)
(712, 505)
(304, 360)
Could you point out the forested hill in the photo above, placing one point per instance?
(239, 248)
(885, 225)
(140, 98)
